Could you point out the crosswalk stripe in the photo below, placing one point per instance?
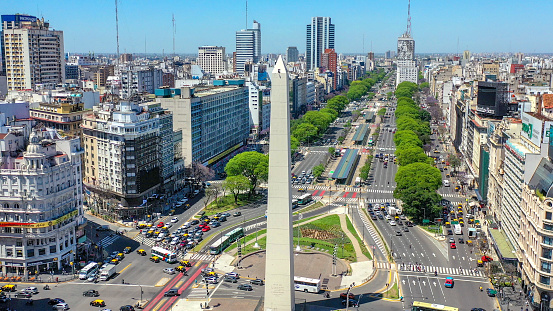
(440, 270)
(107, 241)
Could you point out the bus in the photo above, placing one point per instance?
(220, 244)
(304, 199)
(457, 229)
(164, 254)
(294, 203)
(307, 285)
(424, 306)
(88, 271)
(370, 142)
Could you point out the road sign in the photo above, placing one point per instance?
(433, 228)
(425, 221)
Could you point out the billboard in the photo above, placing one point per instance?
(535, 129)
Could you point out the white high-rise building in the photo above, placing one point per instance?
(212, 59)
(248, 46)
(31, 53)
(320, 36)
(41, 202)
(406, 66)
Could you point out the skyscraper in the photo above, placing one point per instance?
(212, 59)
(292, 54)
(248, 46)
(320, 36)
(406, 67)
(31, 53)
(329, 62)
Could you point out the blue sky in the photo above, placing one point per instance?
(437, 26)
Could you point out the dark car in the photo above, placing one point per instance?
(351, 302)
(172, 292)
(461, 241)
(230, 279)
(23, 294)
(246, 287)
(126, 308)
(344, 295)
(256, 282)
(373, 217)
(91, 293)
(195, 222)
(449, 232)
(55, 301)
(405, 229)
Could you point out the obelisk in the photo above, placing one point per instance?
(279, 271)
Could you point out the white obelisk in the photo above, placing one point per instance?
(279, 271)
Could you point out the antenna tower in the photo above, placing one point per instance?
(246, 14)
(408, 32)
(174, 32)
(117, 28)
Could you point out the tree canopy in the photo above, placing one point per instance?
(252, 165)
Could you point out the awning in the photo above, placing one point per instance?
(502, 245)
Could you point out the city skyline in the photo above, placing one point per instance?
(448, 31)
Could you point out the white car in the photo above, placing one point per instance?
(212, 280)
(175, 241)
(61, 306)
(169, 271)
(174, 219)
(33, 290)
(186, 225)
(392, 223)
(233, 274)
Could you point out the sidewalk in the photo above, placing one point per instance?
(360, 256)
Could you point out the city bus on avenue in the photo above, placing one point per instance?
(164, 254)
(304, 199)
(424, 306)
(88, 271)
(223, 242)
(457, 229)
(307, 285)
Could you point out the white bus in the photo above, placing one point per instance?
(88, 271)
(307, 285)
(164, 254)
(457, 229)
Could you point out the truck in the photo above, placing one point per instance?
(107, 272)
(391, 210)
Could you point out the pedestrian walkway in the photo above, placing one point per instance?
(379, 191)
(107, 241)
(354, 242)
(372, 232)
(432, 269)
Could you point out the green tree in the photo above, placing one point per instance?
(424, 85)
(333, 113)
(294, 143)
(331, 150)
(407, 110)
(382, 112)
(389, 95)
(421, 174)
(318, 170)
(454, 161)
(252, 165)
(306, 132)
(406, 137)
(410, 155)
(236, 185)
(318, 119)
(403, 92)
(418, 203)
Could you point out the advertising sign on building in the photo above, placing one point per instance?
(534, 129)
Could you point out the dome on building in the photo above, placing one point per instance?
(34, 143)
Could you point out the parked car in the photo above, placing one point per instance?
(257, 282)
(246, 287)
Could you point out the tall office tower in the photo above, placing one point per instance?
(212, 59)
(320, 36)
(406, 67)
(248, 46)
(329, 62)
(292, 54)
(31, 53)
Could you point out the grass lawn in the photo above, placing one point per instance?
(427, 228)
(310, 208)
(392, 293)
(227, 203)
(322, 233)
(351, 229)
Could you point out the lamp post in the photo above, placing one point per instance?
(140, 293)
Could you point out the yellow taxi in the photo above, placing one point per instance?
(185, 263)
(181, 268)
(447, 224)
(98, 303)
(149, 225)
(127, 250)
(9, 288)
(155, 259)
(114, 261)
(480, 263)
(142, 252)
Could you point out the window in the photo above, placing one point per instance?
(19, 243)
(9, 253)
(42, 251)
(7, 230)
(17, 230)
(30, 253)
(547, 240)
(544, 279)
(19, 253)
(548, 215)
(548, 227)
(52, 249)
(546, 253)
(546, 266)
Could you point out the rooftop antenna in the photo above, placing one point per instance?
(408, 32)
(174, 32)
(246, 14)
(117, 28)
(144, 46)
(363, 43)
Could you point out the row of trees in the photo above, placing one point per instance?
(366, 168)
(417, 179)
(360, 88)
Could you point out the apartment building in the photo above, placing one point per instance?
(129, 156)
(41, 201)
(64, 114)
(139, 80)
(32, 54)
(214, 120)
(212, 59)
